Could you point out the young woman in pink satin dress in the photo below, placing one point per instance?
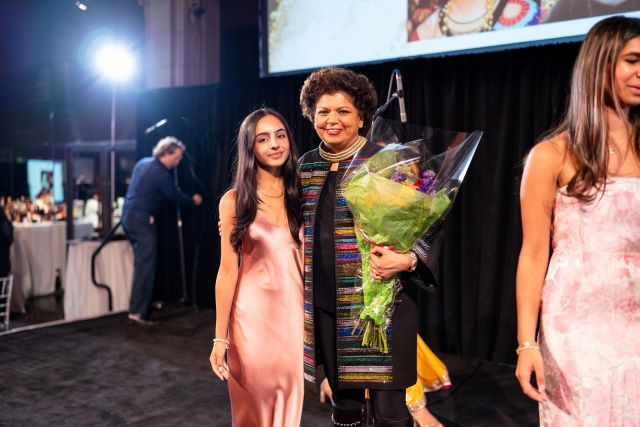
(259, 292)
(581, 193)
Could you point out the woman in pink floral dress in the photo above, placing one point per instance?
(582, 184)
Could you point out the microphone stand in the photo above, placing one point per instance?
(381, 109)
(196, 257)
(183, 277)
(398, 94)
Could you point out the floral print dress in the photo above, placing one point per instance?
(590, 313)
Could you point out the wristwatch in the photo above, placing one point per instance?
(414, 261)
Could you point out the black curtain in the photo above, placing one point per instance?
(513, 96)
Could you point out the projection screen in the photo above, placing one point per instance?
(298, 35)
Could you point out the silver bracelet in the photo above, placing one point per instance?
(226, 342)
(527, 345)
(414, 261)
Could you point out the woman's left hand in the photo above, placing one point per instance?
(326, 394)
(385, 263)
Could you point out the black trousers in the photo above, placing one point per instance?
(144, 239)
(386, 405)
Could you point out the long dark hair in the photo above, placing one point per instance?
(592, 92)
(246, 179)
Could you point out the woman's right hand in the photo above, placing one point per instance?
(218, 364)
(529, 361)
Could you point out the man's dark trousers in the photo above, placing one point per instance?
(144, 239)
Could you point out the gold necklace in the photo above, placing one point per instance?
(450, 27)
(270, 196)
(344, 154)
(620, 155)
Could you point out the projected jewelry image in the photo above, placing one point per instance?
(459, 17)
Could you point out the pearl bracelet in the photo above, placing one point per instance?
(226, 342)
(527, 345)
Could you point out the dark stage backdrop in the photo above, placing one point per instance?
(514, 96)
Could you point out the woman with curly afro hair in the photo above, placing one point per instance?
(340, 103)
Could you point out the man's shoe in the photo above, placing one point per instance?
(139, 319)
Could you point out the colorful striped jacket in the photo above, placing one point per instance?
(358, 367)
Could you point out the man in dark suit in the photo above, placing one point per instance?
(151, 183)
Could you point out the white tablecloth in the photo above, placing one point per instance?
(39, 250)
(114, 267)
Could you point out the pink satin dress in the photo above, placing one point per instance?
(266, 328)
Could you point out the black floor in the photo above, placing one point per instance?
(42, 309)
(105, 372)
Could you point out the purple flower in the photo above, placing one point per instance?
(427, 183)
(399, 176)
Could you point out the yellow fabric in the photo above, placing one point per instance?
(415, 395)
(432, 374)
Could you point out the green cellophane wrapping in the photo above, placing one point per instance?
(390, 214)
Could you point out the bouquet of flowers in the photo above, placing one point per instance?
(396, 197)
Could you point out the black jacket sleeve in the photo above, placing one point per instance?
(6, 239)
(6, 229)
(427, 249)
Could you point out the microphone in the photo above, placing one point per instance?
(400, 92)
(155, 126)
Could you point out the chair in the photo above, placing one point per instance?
(5, 300)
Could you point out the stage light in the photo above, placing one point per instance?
(82, 5)
(115, 63)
